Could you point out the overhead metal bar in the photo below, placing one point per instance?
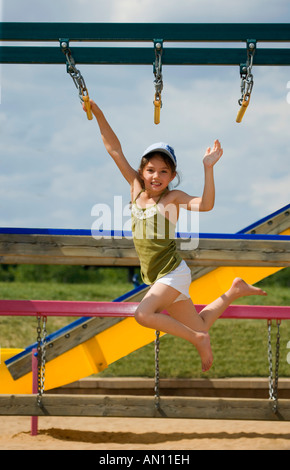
(157, 33)
(140, 32)
(141, 55)
(200, 32)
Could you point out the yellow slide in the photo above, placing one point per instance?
(122, 338)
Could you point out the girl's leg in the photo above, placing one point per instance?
(238, 289)
(159, 298)
(184, 321)
(185, 311)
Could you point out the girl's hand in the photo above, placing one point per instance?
(212, 155)
(94, 107)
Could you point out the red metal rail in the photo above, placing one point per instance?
(55, 308)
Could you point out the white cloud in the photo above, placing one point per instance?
(207, 11)
(198, 11)
(270, 193)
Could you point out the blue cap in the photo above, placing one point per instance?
(162, 148)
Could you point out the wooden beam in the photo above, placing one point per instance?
(86, 250)
(143, 407)
(233, 252)
(183, 387)
(272, 225)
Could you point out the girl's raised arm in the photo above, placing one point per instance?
(112, 145)
(206, 202)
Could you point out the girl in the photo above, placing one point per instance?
(155, 211)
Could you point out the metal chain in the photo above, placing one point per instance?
(75, 74)
(277, 364)
(39, 360)
(247, 78)
(157, 376)
(41, 354)
(158, 82)
(270, 360)
(273, 383)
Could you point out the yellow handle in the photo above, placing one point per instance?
(242, 110)
(157, 107)
(88, 107)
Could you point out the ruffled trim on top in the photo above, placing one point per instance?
(142, 214)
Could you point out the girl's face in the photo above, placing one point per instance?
(157, 175)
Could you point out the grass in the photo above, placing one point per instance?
(239, 346)
(18, 332)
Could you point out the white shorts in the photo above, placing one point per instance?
(179, 279)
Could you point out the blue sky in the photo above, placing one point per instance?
(53, 167)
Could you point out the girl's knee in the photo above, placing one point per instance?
(205, 326)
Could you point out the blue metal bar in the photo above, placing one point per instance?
(268, 218)
(120, 233)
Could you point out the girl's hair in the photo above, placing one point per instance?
(167, 160)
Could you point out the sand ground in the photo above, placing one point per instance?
(142, 434)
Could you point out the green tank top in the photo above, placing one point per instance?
(154, 240)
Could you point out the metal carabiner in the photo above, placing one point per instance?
(247, 79)
(77, 77)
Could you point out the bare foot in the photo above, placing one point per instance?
(202, 344)
(241, 289)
